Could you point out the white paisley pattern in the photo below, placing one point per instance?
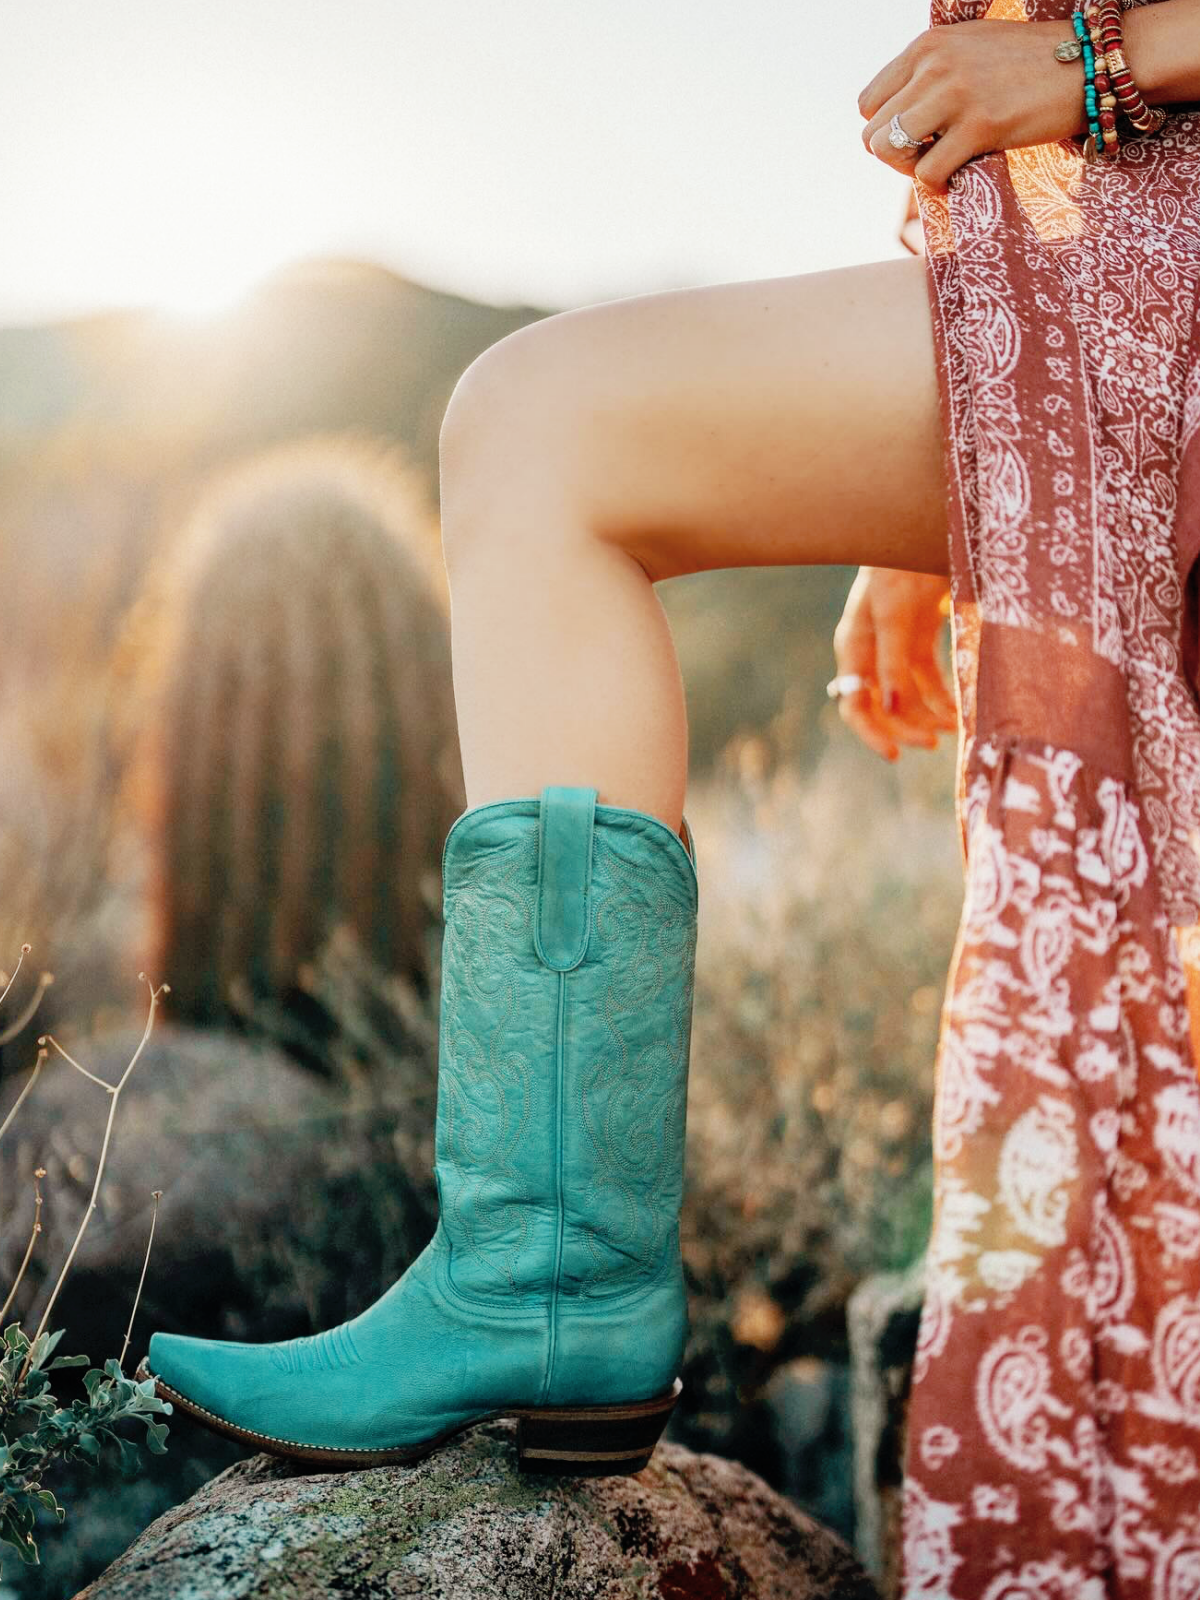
(1054, 1428)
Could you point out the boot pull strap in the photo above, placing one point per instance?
(565, 823)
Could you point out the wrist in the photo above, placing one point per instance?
(1162, 48)
(1067, 79)
(1148, 62)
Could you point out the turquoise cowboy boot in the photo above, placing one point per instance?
(552, 1290)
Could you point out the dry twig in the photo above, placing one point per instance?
(113, 1090)
(158, 1194)
(17, 1103)
(8, 982)
(40, 1172)
(45, 979)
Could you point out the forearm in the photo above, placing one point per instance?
(1162, 47)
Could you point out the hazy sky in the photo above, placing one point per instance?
(545, 151)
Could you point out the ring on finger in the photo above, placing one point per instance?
(846, 683)
(900, 139)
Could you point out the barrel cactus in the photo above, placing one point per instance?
(302, 767)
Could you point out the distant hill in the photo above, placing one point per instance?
(323, 344)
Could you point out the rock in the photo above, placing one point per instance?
(808, 1403)
(883, 1317)
(288, 1203)
(462, 1524)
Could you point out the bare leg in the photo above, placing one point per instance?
(777, 422)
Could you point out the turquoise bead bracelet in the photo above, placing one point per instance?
(1091, 106)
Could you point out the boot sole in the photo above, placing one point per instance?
(571, 1441)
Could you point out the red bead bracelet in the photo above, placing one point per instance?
(1146, 119)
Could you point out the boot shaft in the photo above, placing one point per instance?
(567, 985)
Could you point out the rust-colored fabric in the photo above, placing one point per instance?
(1054, 1430)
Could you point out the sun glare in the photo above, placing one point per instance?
(200, 214)
(207, 295)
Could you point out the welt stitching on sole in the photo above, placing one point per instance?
(414, 1451)
(270, 1438)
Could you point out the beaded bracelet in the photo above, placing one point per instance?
(1107, 142)
(1147, 119)
(1087, 50)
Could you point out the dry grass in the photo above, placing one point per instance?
(828, 907)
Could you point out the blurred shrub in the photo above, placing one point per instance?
(750, 641)
(829, 903)
(301, 767)
(79, 516)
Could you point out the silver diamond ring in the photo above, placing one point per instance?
(899, 140)
(847, 683)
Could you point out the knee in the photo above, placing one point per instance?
(476, 403)
(509, 444)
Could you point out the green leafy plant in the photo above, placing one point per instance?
(39, 1429)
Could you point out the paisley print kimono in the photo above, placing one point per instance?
(1054, 1428)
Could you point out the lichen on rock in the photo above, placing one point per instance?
(463, 1525)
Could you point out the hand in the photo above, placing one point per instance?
(977, 86)
(889, 632)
